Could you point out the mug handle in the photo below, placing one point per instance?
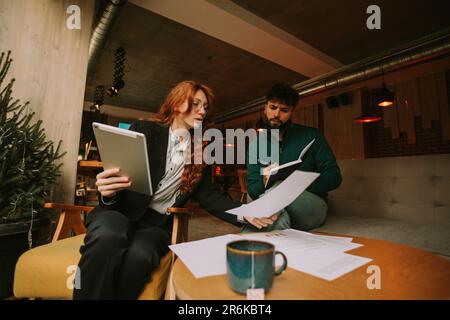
(283, 266)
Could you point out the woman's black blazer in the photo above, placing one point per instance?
(134, 205)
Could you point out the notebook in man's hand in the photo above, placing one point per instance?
(283, 171)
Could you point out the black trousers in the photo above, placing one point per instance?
(118, 256)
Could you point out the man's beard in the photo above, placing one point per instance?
(282, 127)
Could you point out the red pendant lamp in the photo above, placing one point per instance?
(385, 97)
(366, 116)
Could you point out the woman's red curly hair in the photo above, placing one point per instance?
(183, 91)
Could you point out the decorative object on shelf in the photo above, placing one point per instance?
(87, 149)
(28, 169)
(118, 83)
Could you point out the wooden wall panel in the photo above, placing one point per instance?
(309, 116)
(428, 99)
(444, 108)
(50, 63)
(424, 97)
(356, 132)
(298, 115)
(302, 115)
(412, 93)
(241, 122)
(405, 112)
(391, 121)
(343, 134)
(316, 116)
(330, 120)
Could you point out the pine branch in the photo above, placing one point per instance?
(28, 161)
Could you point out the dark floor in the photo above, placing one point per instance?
(204, 225)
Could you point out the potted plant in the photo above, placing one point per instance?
(28, 169)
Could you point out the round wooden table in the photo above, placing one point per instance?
(406, 273)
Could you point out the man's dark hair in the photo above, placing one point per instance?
(284, 94)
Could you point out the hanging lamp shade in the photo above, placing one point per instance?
(367, 103)
(386, 97)
(367, 118)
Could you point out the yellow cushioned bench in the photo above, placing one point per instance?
(45, 271)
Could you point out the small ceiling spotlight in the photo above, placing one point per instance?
(114, 90)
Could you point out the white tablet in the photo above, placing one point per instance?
(127, 150)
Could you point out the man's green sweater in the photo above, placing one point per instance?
(319, 158)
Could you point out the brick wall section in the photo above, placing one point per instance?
(378, 141)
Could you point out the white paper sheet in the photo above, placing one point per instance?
(205, 257)
(323, 237)
(327, 265)
(278, 198)
(320, 256)
(333, 238)
(291, 238)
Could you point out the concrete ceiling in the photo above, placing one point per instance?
(241, 48)
(338, 28)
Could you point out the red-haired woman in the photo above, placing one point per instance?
(129, 232)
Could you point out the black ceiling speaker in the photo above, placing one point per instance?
(119, 66)
(99, 96)
(332, 102)
(344, 98)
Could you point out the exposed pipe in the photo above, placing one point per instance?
(101, 31)
(419, 51)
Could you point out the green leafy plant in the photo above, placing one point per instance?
(28, 161)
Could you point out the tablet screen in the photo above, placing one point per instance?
(127, 150)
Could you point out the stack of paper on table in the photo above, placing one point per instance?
(317, 255)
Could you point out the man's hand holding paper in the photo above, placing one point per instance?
(267, 173)
(278, 198)
(261, 222)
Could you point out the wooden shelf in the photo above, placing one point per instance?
(86, 172)
(90, 164)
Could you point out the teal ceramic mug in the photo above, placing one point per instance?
(251, 264)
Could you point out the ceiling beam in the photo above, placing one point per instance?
(120, 112)
(228, 22)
